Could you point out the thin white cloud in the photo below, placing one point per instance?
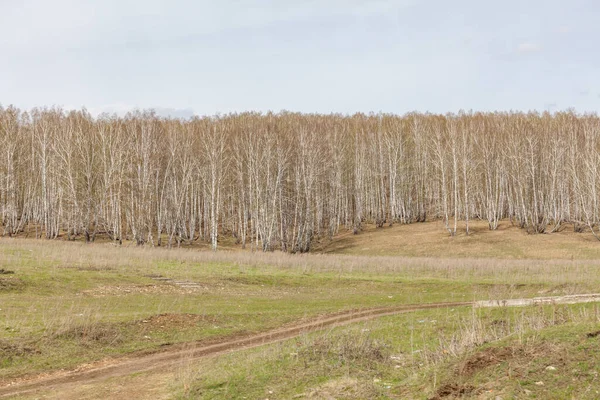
(232, 55)
(31, 25)
(528, 47)
(564, 29)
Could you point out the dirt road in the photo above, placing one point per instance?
(65, 385)
(171, 357)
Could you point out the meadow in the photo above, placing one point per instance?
(68, 306)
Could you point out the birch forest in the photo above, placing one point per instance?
(281, 181)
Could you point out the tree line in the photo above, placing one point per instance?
(279, 181)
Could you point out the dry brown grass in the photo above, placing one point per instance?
(559, 271)
(342, 388)
(430, 239)
(475, 331)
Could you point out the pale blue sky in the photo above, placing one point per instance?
(346, 56)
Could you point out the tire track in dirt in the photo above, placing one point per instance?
(187, 352)
(178, 354)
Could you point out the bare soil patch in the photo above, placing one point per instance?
(170, 320)
(125, 290)
(452, 391)
(486, 358)
(569, 299)
(10, 282)
(10, 350)
(518, 363)
(593, 334)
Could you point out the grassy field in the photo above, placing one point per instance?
(64, 304)
(542, 352)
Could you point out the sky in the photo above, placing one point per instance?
(185, 58)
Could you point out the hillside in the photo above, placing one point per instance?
(430, 239)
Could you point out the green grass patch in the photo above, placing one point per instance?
(429, 354)
(73, 303)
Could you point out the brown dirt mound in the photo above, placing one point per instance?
(453, 390)
(475, 363)
(484, 359)
(11, 283)
(517, 357)
(9, 350)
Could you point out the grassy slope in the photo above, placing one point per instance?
(512, 353)
(432, 240)
(70, 303)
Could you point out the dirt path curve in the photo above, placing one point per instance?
(175, 355)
